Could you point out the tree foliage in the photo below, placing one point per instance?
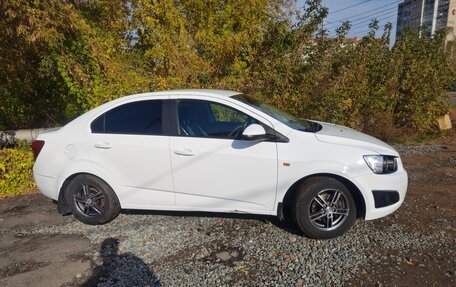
(61, 58)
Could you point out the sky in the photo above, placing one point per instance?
(361, 13)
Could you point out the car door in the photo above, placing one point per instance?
(128, 144)
(215, 170)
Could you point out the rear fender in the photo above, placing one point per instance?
(77, 168)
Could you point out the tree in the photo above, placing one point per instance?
(61, 58)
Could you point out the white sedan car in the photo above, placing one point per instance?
(217, 151)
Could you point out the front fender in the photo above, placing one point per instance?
(289, 178)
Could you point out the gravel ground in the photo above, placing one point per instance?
(418, 149)
(182, 249)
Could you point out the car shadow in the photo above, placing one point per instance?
(285, 224)
(124, 269)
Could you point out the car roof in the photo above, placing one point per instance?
(202, 92)
(225, 93)
(191, 92)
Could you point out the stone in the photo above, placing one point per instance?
(224, 255)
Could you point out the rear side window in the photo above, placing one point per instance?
(142, 118)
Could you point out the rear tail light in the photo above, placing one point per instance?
(36, 147)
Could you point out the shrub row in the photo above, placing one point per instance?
(16, 171)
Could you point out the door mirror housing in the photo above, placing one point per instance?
(254, 132)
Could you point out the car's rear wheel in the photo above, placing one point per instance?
(323, 208)
(91, 200)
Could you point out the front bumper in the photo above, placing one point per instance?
(397, 181)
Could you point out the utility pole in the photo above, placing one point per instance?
(434, 16)
(421, 18)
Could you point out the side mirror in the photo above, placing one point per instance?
(254, 132)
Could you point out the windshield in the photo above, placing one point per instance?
(285, 118)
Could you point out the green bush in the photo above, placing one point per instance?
(16, 171)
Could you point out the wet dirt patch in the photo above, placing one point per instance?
(225, 254)
(78, 257)
(21, 267)
(15, 209)
(41, 260)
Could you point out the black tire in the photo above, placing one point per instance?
(101, 204)
(315, 213)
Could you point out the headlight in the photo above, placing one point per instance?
(381, 163)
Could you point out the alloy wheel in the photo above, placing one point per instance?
(328, 209)
(89, 200)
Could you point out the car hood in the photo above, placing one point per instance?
(331, 133)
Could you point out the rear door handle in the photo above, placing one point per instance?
(103, 145)
(184, 152)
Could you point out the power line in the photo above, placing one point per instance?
(393, 9)
(354, 5)
(361, 33)
(362, 13)
(372, 14)
(383, 10)
(357, 26)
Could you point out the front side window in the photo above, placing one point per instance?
(142, 118)
(285, 118)
(200, 118)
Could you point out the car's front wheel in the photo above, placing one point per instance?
(91, 200)
(323, 208)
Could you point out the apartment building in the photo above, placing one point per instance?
(431, 15)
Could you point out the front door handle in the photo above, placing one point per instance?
(103, 145)
(184, 152)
